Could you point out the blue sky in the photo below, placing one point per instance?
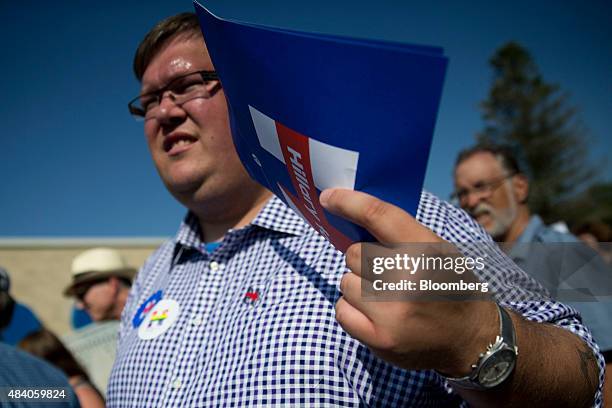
(74, 163)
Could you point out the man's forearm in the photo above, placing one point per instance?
(554, 368)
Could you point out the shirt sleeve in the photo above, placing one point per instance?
(566, 318)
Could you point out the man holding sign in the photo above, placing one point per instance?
(257, 318)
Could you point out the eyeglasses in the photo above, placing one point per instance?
(482, 188)
(182, 89)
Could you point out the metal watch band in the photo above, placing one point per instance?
(504, 341)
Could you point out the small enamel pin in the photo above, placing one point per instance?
(251, 296)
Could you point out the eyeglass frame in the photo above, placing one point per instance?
(486, 187)
(207, 76)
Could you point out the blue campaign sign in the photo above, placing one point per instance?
(311, 111)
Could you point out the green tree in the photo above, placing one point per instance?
(592, 205)
(533, 117)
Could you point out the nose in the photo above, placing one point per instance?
(471, 200)
(169, 112)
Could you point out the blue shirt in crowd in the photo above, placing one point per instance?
(23, 322)
(20, 371)
(534, 260)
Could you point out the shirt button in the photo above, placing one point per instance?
(214, 265)
(176, 384)
(196, 321)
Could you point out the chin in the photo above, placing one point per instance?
(183, 185)
(185, 193)
(183, 180)
(96, 318)
(495, 231)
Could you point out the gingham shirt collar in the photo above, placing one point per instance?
(274, 216)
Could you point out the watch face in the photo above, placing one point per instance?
(495, 369)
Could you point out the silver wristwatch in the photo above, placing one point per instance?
(495, 365)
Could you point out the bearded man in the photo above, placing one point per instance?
(491, 187)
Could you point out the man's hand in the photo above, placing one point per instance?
(442, 335)
(555, 367)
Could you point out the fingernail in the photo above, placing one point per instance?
(324, 197)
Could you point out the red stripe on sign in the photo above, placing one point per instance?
(297, 159)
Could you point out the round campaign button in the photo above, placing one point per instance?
(145, 308)
(159, 319)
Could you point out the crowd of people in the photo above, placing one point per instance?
(248, 305)
(100, 282)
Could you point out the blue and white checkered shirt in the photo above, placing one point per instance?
(257, 323)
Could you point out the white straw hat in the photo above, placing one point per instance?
(96, 264)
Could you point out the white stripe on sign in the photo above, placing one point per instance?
(266, 133)
(332, 166)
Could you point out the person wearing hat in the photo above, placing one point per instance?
(101, 281)
(16, 319)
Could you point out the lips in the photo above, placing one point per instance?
(480, 213)
(483, 216)
(177, 143)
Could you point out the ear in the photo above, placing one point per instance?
(520, 187)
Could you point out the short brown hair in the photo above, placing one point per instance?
(503, 154)
(601, 231)
(44, 344)
(186, 24)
